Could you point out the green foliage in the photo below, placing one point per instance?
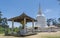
(16, 29)
(8, 29)
(58, 19)
(3, 24)
(48, 22)
(1, 30)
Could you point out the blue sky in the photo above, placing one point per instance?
(12, 8)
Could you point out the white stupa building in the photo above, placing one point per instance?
(41, 23)
(41, 20)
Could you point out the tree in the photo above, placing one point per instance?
(48, 22)
(3, 23)
(54, 22)
(58, 1)
(0, 18)
(16, 29)
(59, 20)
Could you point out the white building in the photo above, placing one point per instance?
(41, 19)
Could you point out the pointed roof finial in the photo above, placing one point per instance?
(39, 6)
(40, 12)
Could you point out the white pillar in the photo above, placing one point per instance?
(25, 25)
(12, 26)
(32, 25)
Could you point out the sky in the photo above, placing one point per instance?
(12, 8)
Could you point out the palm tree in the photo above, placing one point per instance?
(3, 22)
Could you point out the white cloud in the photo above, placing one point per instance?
(47, 10)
